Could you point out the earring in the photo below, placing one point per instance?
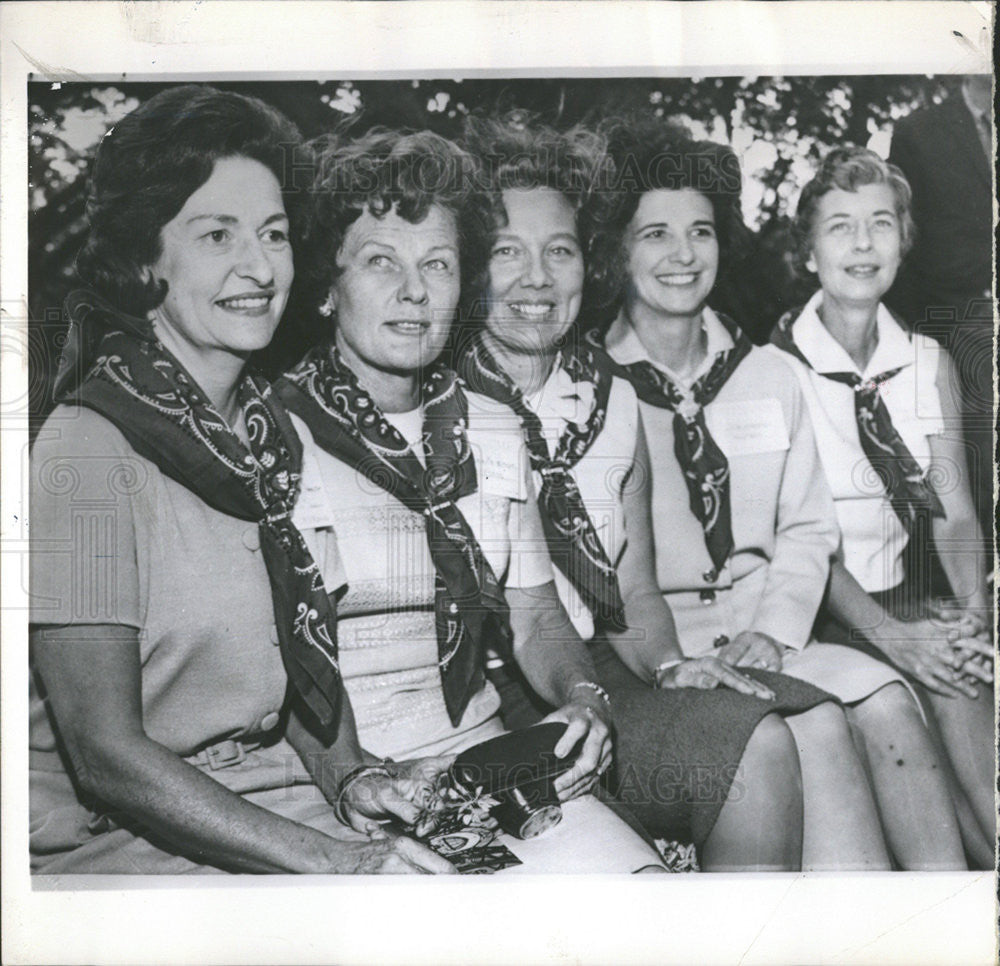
(326, 309)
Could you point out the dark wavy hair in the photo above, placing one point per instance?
(849, 168)
(381, 171)
(518, 151)
(649, 154)
(151, 162)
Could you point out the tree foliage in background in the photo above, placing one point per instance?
(794, 119)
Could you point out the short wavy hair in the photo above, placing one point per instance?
(381, 171)
(517, 151)
(650, 153)
(849, 168)
(151, 162)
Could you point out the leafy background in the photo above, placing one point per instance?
(779, 126)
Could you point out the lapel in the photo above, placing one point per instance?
(962, 131)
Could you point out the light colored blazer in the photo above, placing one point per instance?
(783, 518)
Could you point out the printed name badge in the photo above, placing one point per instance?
(312, 509)
(743, 428)
(501, 474)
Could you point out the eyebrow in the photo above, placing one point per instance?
(388, 246)
(664, 224)
(232, 219)
(571, 236)
(844, 214)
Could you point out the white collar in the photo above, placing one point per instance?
(560, 396)
(826, 354)
(625, 347)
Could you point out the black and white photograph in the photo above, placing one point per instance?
(581, 477)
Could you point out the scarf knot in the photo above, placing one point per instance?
(703, 463)
(471, 614)
(143, 390)
(910, 493)
(573, 542)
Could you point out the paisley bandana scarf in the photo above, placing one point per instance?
(704, 465)
(574, 545)
(141, 388)
(910, 495)
(471, 614)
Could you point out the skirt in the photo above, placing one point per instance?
(677, 752)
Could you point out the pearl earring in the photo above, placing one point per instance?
(326, 309)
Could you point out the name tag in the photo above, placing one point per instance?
(499, 472)
(312, 509)
(501, 477)
(754, 426)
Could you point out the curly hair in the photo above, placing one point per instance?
(388, 170)
(650, 154)
(151, 162)
(849, 168)
(516, 151)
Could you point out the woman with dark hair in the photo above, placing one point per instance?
(684, 730)
(421, 511)
(883, 402)
(183, 648)
(743, 523)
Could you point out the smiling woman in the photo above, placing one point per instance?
(883, 398)
(743, 519)
(168, 714)
(227, 256)
(226, 261)
(423, 515)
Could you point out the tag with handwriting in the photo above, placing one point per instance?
(743, 428)
(312, 509)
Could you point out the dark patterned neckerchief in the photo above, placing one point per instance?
(910, 494)
(471, 614)
(139, 386)
(704, 465)
(573, 543)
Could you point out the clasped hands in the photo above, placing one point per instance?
(948, 652)
(749, 649)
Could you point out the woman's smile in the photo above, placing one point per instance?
(678, 279)
(532, 311)
(536, 271)
(247, 303)
(856, 243)
(408, 326)
(397, 291)
(227, 261)
(673, 254)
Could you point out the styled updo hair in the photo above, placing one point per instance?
(151, 162)
(650, 154)
(386, 170)
(849, 168)
(517, 151)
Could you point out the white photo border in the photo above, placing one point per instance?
(884, 917)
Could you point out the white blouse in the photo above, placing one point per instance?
(602, 473)
(873, 539)
(372, 552)
(783, 523)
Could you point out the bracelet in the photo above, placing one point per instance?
(352, 777)
(596, 688)
(664, 666)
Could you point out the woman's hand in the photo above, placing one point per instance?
(710, 672)
(384, 854)
(411, 793)
(588, 718)
(751, 649)
(969, 622)
(936, 655)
